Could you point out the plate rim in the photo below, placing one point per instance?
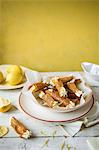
(69, 120)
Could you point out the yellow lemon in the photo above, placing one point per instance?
(5, 105)
(14, 78)
(15, 69)
(1, 77)
(3, 131)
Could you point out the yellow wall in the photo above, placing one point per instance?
(0, 36)
(49, 36)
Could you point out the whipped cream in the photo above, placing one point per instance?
(51, 90)
(78, 93)
(27, 134)
(52, 80)
(41, 94)
(55, 104)
(70, 105)
(82, 100)
(72, 81)
(63, 92)
(46, 80)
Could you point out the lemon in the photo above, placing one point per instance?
(5, 105)
(15, 69)
(14, 78)
(3, 131)
(1, 77)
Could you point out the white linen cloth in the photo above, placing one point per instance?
(93, 143)
(92, 118)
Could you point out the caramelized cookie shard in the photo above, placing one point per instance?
(72, 96)
(72, 86)
(56, 96)
(48, 99)
(59, 86)
(76, 101)
(38, 86)
(66, 79)
(77, 81)
(20, 128)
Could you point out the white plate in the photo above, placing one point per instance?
(36, 111)
(9, 87)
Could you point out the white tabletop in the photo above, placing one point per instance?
(12, 141)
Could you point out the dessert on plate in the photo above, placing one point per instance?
(59, 92)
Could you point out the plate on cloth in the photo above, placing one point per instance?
(36, 111)
(6, 86)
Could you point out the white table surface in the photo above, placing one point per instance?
(12, 142)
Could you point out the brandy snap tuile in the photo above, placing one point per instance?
(56, 96)
(74, 89)
(66, 79)
(48, 99)
(20, 128)
(59, 86)
(37, 86)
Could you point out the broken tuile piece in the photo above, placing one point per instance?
(38, 86)
(59, 86)
(76, 101)
(74, 89)
(77, 81)
(72, 96)
(48, 99)
(56, 96)
(20, 128)
(66, 79)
